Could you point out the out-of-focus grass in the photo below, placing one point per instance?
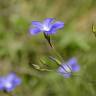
(19, 50)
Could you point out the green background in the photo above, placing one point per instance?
(19, 50)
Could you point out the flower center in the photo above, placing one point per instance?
(46, 28)
(8, 85)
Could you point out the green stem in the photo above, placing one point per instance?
(39, 69)
(48, 38)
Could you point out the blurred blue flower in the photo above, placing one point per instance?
(47, 26)
(66, 69)
(9, 82)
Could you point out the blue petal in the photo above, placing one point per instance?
(72, 61)
(37, 24)
(75, 68)
(10, 77)
(67, 75)
(73, 64)
(13, 79)
(34, 31)
(1, 83)
(58, 25)
(9, 89)
(48, 21)
(17, 81)
(1, 87)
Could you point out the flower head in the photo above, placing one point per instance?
(47, 26)
(9, 82)
(66, 69)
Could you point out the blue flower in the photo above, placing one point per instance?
(9, 82)
(1, 83)
(66, 69)
(47, 26)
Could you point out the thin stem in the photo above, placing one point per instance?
(56, 53)
(48, 38)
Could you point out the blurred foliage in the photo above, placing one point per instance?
(19, 50)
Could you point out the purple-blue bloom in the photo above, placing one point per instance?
(66, 69)
(9, 82)
(47, 26)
